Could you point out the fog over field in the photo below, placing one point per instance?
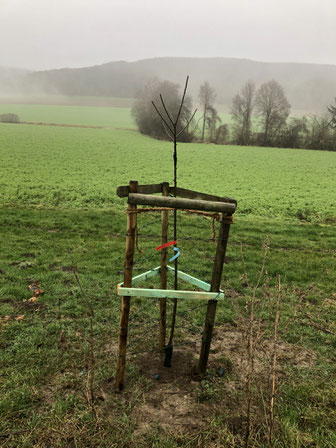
(309, 87)
(220, 41)
(76, 33)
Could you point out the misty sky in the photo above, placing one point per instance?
(40, 34)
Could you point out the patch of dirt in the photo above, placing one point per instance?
(232, 344)
(53, 266)
(10, 300)
(32, 306)
(173, 396)
(28, 255)
(173, 401)
(330, 301)
(68, 268)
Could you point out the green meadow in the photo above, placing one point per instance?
(59, 215)
(116, 117)
(112, 115)
(75, 167)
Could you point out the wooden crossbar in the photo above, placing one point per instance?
(190, 279)
(169, 294)
(191, 194)
(178, 203)
(181, 275)
(145, 276)
(123, 191)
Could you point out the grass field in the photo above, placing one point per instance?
(59, 214)
(116, 117)
(111, 115)
(59, 100)
(67, 167)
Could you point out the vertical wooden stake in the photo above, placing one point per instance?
(215, 286)
(164, 262)
(125, 305)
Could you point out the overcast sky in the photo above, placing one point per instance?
(40, 34)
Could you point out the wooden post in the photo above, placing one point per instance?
(125, 305)
(164, 262)
(215, 287)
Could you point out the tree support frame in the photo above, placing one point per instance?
(140, 195)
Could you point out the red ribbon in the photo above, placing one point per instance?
(171, 243)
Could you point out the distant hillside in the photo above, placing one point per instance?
(309, 87)
(12, 80)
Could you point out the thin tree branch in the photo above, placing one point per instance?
(185, 127)
(182, 101)
(157, 110)
(167, 132)
(164, 106)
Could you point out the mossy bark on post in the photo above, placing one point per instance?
(126, 301)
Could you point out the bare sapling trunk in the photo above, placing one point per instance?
(173, 131)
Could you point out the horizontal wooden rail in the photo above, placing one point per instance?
(178, 203)
(191, 194)
(169, 294)
(123, 191)
(182, 275)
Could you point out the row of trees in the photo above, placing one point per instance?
(259, 117)
(269, 108)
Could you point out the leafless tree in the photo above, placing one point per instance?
(242, 110)
(272, 109)
(212, 119)
(295, 133)
(206, 96)
(320, 134)
(147, 119)
(332, 114)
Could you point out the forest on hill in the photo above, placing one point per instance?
(309, 87)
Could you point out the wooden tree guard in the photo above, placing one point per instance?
(193, 200)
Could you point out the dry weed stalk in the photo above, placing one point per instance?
(251, 337)
(275, 345)
(91, 368)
